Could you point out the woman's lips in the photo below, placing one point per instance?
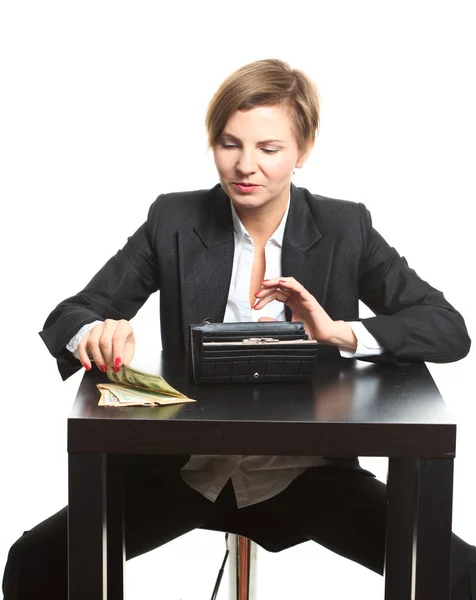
(245, 188)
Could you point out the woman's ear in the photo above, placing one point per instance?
(303, 156)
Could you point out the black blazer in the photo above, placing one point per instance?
(185, 250)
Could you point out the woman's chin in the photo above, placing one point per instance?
(245, 203)
(249, 200)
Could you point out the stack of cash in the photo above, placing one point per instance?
(131, 387)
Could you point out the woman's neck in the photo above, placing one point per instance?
(261, 224)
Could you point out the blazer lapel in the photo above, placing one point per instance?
(206, 263)
(307, 254)
(206, 257)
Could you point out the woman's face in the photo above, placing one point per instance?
(255, 157)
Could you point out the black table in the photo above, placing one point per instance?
(351, 408)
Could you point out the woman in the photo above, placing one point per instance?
(254, 247)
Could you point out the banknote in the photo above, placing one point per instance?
(116, 394)
(146, 381)
(131, 387)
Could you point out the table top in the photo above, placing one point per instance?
(350, 408)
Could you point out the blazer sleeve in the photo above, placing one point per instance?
(117, 291)
(414, 321)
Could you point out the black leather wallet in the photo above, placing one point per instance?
(251, 352)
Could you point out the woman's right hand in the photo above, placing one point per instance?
(108, 344)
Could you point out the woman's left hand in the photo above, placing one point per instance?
(318, 324)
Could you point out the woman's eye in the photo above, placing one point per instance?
(232, 146)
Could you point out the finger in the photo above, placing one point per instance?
(276, 281)
(129, 352)
(83, 353)
(289, 283)
(269, 283)
(278, 294)
(105, 341)
(264, 293)
(266, 319)
(122, 339)
(286, 284)
(291, 286)
(93, 348)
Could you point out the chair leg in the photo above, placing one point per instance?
(242, 568)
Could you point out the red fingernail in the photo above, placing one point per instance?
(103, 368)
(115, 369)
(87, 367)
(117, 362)
(265, 280)
(257, 293)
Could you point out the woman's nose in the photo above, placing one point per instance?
(246, 163)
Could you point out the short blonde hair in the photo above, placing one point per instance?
(267, 82)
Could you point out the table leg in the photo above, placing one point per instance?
(116, 548)
(418, 546)
(402, 498)
(87, 577)
(433, 529)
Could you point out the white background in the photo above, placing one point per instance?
(102, 107)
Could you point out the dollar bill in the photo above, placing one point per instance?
(131, 387)
(116, 394)
(146, 381)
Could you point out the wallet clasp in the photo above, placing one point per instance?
(257, 340)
